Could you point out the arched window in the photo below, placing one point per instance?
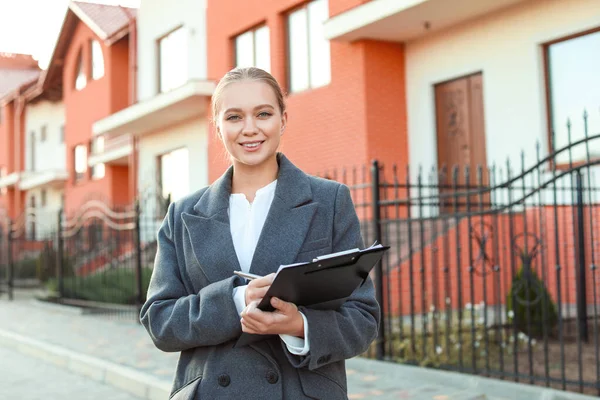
(97, 60)
(80, 78)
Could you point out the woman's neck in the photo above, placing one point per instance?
(248, 179)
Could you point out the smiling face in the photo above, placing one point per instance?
(250, 122)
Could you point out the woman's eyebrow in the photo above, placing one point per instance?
(235, 109)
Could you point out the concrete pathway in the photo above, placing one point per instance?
(26, 378)
(119, 352)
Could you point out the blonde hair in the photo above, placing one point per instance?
(245, 74)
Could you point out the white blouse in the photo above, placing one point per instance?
(246, 223)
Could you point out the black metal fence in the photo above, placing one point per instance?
(100, 258)
(492, 271)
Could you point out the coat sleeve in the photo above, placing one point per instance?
(177, 320)
(346, 332)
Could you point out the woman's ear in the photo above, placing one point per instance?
(283, 121)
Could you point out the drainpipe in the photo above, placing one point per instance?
(133, 64)
(133, 68)
(18, 148)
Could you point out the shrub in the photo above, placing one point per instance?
(530, 304)
(115, 286)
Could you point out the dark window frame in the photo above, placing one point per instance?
(548, 87)
(288, 53)
(253, 29)
(158, 56)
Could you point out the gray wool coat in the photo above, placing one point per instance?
(190, 307)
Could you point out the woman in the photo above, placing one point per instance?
(263, 212)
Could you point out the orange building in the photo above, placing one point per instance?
(18, 73)
(90, 68)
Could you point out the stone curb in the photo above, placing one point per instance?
(494, 388)
(149, 387)
(124, 378)
(57, 307)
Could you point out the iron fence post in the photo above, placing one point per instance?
(380, 348)
(582, 320)
(60, 256)
(138, 262)
(11, 265)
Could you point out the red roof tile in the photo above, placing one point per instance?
(13, 79)
(110, 20)
(16, 70)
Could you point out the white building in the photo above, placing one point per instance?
(488, 79)
(45, 167)
(166, 129)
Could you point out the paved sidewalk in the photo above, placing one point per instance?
(120, 353)
(26, 378)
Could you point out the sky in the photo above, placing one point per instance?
(32, 26)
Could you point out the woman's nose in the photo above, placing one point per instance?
(250, 127)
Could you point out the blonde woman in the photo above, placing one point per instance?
(263, 212)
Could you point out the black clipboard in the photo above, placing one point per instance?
(324, 283)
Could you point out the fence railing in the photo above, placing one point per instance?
(98, 259)
(490, 272)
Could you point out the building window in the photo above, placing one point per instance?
(44, 198)
(3, 174)
(43, 133)
(80, 78)
(252, 49)
(80, 154)
(174, 174)
(573, 66)
(97, 60)
(32, 152)
(98, 170)
(173, 60)
(309, 53)
(32, 224)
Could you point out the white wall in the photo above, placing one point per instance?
(192, 135)
(50, 154)
(506, 47)
(46, 217)
(157, 18)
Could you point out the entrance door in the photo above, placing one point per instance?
(461, 134)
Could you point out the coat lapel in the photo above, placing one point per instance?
(283, 233)
(287, 222)
(209, 232)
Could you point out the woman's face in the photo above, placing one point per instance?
(250, 122)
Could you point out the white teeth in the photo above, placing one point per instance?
(251, 145)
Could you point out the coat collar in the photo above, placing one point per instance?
(293, 189)
(285, 228)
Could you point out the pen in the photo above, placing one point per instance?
(247, 275)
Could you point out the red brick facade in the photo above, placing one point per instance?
(359, 115)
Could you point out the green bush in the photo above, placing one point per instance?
(530, 304)
(115, 286)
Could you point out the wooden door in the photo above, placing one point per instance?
(461, 136)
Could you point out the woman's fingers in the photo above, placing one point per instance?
(257, 288)
(262, 282)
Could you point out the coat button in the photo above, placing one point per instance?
(272, 377)
(224, 380)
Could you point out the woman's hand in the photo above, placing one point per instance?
(285, 320)
(257, 288)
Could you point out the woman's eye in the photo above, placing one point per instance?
(264, 114)
(232, 117)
